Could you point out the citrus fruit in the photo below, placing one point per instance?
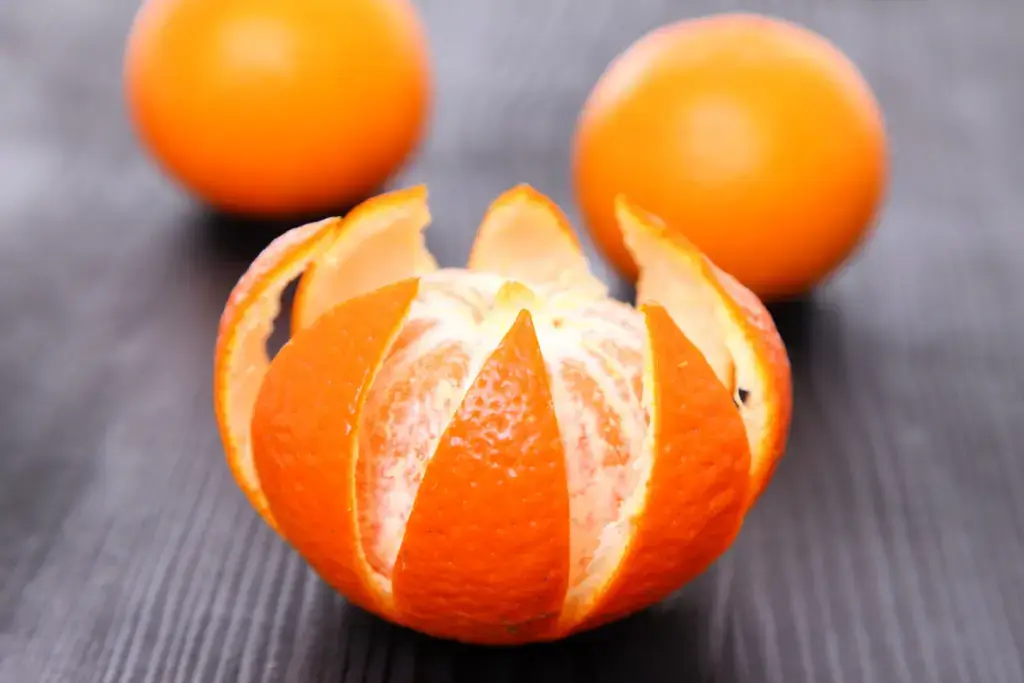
(270, 107)
(755, 137)
(499, 453)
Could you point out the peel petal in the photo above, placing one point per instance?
(695, 497)
(768, 420)
(726, 321)
(240, 358)
(485, 556)
(379, 242)
(305, 434)
(525, 236)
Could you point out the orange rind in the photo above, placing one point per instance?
(738, 334)
(240, 360)
(389, 225)
(499, 454)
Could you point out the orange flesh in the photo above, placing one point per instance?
(593, 349)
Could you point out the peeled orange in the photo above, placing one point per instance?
(501, 453)
(755, 138)
(278, 106)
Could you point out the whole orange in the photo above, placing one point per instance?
(278, 106)
(754, 137)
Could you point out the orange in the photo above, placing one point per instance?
(500, 453)
(754, 137)
(278, 106)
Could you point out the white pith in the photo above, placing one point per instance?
(583, 339)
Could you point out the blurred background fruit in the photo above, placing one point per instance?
(755, 137)
(278, 107)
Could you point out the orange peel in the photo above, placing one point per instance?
(240, 359)
(738, 333)
(499, 454)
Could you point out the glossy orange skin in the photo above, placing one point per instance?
(278, 106)
(756, 138)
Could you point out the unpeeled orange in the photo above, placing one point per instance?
(278, 106)
(754, 137)
(501, 453)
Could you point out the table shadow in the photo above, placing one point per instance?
(665, 644)
(793, 318)
(238, 239)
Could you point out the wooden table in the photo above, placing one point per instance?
(890, 546)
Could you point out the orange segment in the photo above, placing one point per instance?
(305, 434)
(379, 242)
(418, 390)
(486, 551)
(727, 322)
(525, 236)
(691, 504)
(602, 431)
(240, 359)
(408, 409)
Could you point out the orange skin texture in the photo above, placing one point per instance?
(486, 550)
(698, 491)
(756, 138)
(303, 441)
(266, 278)
(267, 107)
(487, 553)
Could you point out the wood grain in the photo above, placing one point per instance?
(890, 546)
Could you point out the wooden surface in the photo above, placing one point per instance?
(889, 547)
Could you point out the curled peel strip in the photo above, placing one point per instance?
(726, 321)
(391, 224)
(240, 359)
(524, 236)
(331, 258)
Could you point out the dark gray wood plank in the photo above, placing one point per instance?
(889, 547)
